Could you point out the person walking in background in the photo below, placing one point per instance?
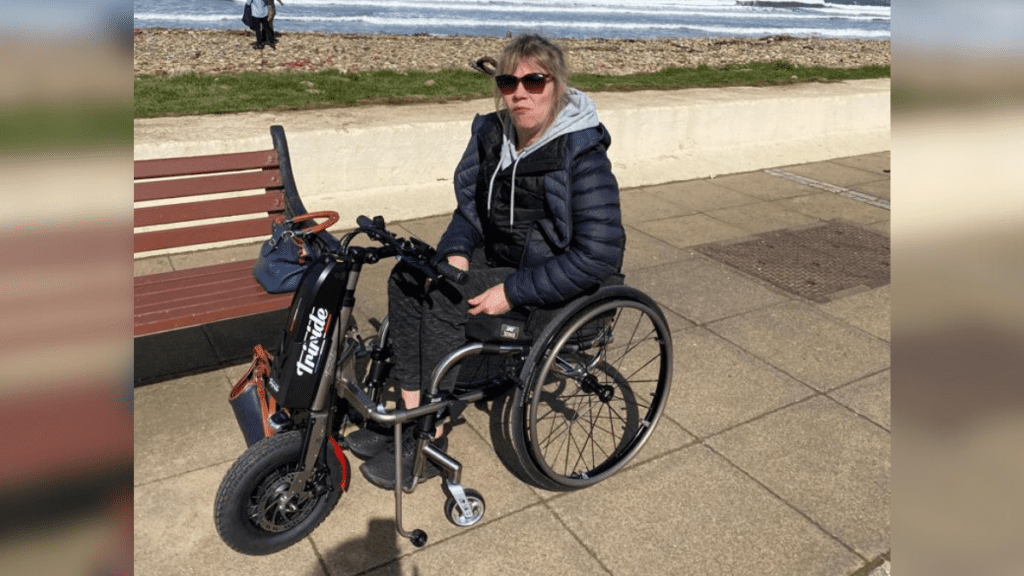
(271, 38)
(260, 23)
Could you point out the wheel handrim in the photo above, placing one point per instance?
(596, 408)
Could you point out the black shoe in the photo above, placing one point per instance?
(380, 470)
(257, 46)
(368, 442)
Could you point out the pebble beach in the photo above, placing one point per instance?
(162, 51)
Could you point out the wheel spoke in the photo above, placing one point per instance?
(590, 406)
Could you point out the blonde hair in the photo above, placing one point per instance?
(546, 54)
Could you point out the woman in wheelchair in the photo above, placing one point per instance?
(537, 223)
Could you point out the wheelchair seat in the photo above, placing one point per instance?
(523, 324)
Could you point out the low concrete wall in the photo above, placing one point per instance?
(398, 161)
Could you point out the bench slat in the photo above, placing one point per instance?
(195, 235)
(207, 294)
(152, 323)
(142, 282)
(200, 185)
(186, 298)
(206, 282)
(190, 211)
(164, 167)
(176, 288)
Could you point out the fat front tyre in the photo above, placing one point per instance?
(252, 513)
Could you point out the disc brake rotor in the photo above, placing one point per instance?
(272, 510)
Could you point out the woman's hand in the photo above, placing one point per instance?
(460, 262)
(492, 302)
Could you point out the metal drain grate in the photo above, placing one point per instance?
(815, 263)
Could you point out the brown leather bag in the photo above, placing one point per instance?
(250, 400)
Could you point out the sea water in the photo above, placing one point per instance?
(868, 19)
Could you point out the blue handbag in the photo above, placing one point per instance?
(290, 250)
(247, 18)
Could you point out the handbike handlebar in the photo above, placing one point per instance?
(451, 273)
(415, 253)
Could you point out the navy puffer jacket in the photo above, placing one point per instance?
(580, 241)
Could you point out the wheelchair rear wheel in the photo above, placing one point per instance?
(593, 391)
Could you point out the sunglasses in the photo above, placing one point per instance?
(534, 83)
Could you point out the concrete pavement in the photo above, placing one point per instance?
(772, 458)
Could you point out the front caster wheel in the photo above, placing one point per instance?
(418, 538)
(455, 515)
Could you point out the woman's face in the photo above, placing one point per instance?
(531, 113)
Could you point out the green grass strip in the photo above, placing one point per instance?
(67, 126)
(192, 94)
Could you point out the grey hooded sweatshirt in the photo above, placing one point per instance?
(579, 113)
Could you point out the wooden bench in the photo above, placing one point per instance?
(182, 298)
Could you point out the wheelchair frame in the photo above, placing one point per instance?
(435, 403)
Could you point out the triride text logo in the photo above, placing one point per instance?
(311, 347)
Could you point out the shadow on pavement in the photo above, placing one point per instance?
(381, 541)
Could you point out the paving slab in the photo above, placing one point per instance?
(834, 173)
(175, 533)
(692, 512)
(686, 231)
(676, 322)
(763, 185)
(869, 310)
(801, 341)
(877, 164)
(700, 195)
(879, 189)
(372, 292)
(429, 230)
(645, 251)
(870, 398)
(703, 291)
(185, 425)
(826, 462)
(530, 542)
(640, 205)
(882, 227)
(717, 385)
(762, 217)
(829, 206)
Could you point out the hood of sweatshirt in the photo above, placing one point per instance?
(578, 114)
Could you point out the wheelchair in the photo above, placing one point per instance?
(584, 385)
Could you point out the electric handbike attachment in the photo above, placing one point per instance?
(588, 381)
